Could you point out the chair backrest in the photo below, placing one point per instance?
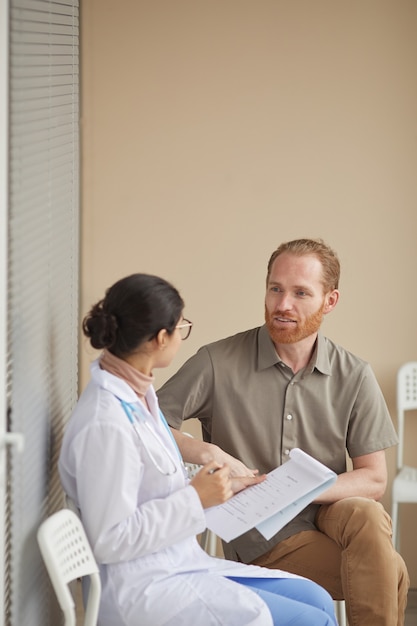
(67, 556)
(406, 401)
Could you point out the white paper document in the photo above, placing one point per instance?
(271, 504)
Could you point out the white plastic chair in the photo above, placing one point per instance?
(404, 486)
(67, 556)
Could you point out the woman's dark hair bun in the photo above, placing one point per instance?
(100, 327)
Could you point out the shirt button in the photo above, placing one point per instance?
(286, 452)
(289, 417)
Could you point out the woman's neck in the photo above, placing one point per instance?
(138, 377)
(140, 362)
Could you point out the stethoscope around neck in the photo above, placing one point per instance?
(136, 415)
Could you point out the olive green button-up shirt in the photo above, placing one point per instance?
(255, 408)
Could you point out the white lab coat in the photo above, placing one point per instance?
(142, 523)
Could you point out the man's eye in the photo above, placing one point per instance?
(275, 289)
(301, 293)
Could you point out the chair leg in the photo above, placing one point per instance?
(212, 547)
(340, 610)
(395, 532)
(208, 541)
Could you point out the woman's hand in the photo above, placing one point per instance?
(213, 484)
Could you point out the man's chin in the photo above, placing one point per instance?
(282, 336)
(284, 339)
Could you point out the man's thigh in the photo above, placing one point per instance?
(311, 554)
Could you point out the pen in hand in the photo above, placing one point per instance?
(213, 486)
(214, 469)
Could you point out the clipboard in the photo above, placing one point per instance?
(270, 505)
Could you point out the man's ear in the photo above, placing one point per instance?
(332, 299)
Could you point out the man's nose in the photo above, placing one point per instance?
(285, 302)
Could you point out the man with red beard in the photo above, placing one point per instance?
(262, 392)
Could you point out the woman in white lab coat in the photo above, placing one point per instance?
(120, 465)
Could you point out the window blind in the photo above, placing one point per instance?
(42, 326)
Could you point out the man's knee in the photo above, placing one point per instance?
(355, 513)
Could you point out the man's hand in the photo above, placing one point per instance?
(237, 468)
(241, 482)
(368, 479)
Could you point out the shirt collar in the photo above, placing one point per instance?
(320, 359)
(268, 357)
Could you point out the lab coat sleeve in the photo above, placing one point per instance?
(109, 478)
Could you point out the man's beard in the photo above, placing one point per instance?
(294, 332)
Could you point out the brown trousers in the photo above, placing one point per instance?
(352, 556)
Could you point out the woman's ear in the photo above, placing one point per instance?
(162, 339)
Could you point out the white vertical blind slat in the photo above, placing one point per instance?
(4, 359)
(42, 284)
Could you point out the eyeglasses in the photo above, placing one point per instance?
(185, 328)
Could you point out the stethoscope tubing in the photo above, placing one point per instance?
(136, 415)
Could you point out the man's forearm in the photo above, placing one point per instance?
(193, 450)
(196, 451)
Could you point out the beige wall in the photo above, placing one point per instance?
(214, 130)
